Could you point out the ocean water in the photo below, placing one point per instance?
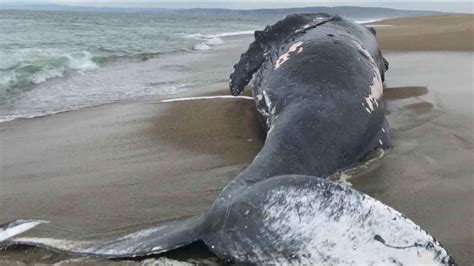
(54, 61)
(42, 50)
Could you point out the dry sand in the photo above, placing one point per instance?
(112, 169)
(453, 32)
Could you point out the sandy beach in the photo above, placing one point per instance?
(104, 171)
(166, 159)
(432, 33)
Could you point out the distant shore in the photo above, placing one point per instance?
(107, 170)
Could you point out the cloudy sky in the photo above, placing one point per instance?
(465, 6)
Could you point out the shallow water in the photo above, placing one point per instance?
(52, 61)
(127, 80)
(44, 54)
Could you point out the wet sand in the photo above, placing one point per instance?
(124, 164)
(428, 174)
(112, 169)
(433, 33)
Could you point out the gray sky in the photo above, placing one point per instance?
(465, 6)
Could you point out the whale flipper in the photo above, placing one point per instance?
(310, 220)
(143, 243)
(11, 229)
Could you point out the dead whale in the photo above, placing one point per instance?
(318, 83)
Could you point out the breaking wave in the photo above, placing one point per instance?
(223, 34)
(26, 67)
(209, 40)
(207, 43)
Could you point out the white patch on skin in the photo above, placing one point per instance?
(161, 261)
(383, 130)
(284, 57)
(21, 227)
(380, 141)
(267, 100)
(258, 99)
(305, 27)
(269, 131)
(346, 228)
(376, 89)
(271, 107)
(207, 98)
(270, 116)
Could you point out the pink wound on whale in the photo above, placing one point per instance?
(296, 47)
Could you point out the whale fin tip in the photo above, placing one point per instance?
(17, 227)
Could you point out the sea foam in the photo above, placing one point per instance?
(206, 45)
(26, 67)
(210, 40)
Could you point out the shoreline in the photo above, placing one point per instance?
(169, 75)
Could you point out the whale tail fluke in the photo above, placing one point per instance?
(283, 219)
(143, 243)
(310, 220)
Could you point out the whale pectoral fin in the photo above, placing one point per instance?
(17, 227)
(146, 242)
(248, 64)
(310, 220)
(267, 41)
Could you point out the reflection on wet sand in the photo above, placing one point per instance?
(420, 108)
(397, 93)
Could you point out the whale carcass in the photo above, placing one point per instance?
(317, 86)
